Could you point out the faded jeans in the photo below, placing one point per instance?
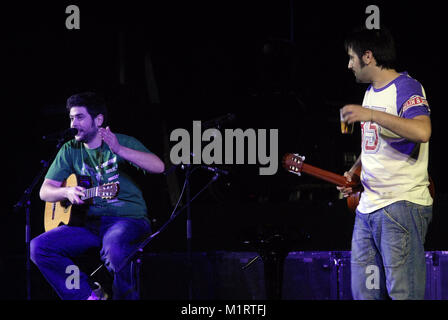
(388, 256)
(114, 237)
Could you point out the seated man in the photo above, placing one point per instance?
(113, 226)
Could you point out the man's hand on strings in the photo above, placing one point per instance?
(74, 194)
(346, 190)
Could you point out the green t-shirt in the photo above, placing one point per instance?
(103, 166)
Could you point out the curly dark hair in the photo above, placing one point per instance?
(93, 102)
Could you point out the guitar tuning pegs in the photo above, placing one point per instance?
(294, 170)
(302, 158)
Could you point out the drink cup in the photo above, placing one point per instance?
(346, 128)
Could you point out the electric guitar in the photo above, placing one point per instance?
(64, 212)
(294, 163)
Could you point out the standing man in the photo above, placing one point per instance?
(388, 257)
(113, 227)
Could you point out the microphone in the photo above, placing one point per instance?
(67, 133)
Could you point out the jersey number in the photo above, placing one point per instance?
(370, 137)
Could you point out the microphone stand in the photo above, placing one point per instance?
(25, 202)
(217, 122)
(189, 233)
(133, 256)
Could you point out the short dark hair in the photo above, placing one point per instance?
(93, 102)
(379, 41)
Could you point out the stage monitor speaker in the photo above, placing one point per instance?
(317, 275)
(436, 275)
(214, 276)
(308, 275)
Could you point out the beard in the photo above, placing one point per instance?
(88, 135)
(360, 75)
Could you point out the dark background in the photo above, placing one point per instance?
(278, 64)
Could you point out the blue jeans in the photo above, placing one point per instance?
(114, 237)
(388, 256)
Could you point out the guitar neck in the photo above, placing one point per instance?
(325, 175)
(90, 193)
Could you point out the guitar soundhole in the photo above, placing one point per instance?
(85, 181)
(65, 204)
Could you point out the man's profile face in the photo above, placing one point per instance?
(83, 121)
(356, 65)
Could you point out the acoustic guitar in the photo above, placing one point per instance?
(295, 164)
(65, 213)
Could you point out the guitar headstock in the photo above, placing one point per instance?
(108, 190)
(292, 162)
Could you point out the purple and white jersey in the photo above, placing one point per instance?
(393, 168)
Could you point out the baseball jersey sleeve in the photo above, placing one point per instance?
(411, 99)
